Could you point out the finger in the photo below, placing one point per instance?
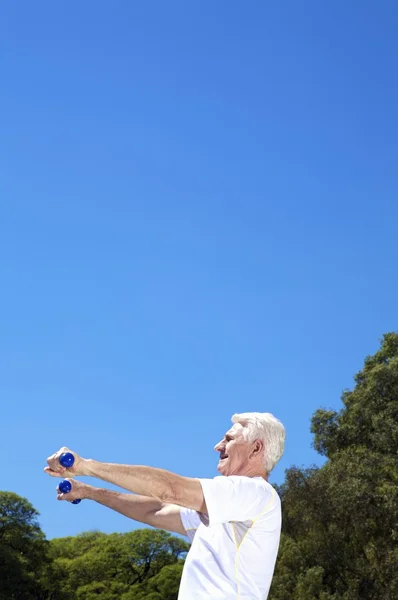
(53, 473)
(49, 471)
(55, 465)
(66, 497)
(57, 470)
(53, 460)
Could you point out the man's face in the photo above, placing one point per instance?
(234, 452)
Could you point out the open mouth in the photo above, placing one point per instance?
(223, 456)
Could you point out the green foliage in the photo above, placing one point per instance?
(144, 563)
(96, 565)
(370, 414)
(162, 586)
(23, 550)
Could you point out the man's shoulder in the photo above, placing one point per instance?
(257, 485)
(256, 481)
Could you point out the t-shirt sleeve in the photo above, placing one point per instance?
(236, 498)
(190, 520)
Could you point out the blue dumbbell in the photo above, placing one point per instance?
(65, 487)
(67, 460)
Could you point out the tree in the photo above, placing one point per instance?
(97, 565)
(23, 550)
(162, 586)
(89, 566)
(340, 521)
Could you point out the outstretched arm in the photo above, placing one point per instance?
(151, 482)
(140, 508)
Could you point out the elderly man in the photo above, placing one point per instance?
(233, 520)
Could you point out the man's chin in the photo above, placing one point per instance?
(222, 467)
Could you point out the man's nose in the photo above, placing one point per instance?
(218, 446)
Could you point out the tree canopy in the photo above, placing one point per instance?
(24, 557)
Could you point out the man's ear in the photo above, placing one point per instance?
(257, 449)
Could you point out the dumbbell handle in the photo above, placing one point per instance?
(65, 487)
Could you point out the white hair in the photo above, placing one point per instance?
(269, 429)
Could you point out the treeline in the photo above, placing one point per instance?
(340, 521)
(143, 564)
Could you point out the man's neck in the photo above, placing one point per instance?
(256, 472)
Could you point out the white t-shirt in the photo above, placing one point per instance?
(234, 548)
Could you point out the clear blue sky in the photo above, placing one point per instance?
(199, 216)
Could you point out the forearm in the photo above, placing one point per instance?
(139, 508)
(164, 486)
(145, 481)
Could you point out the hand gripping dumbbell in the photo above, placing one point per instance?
(66, 460)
